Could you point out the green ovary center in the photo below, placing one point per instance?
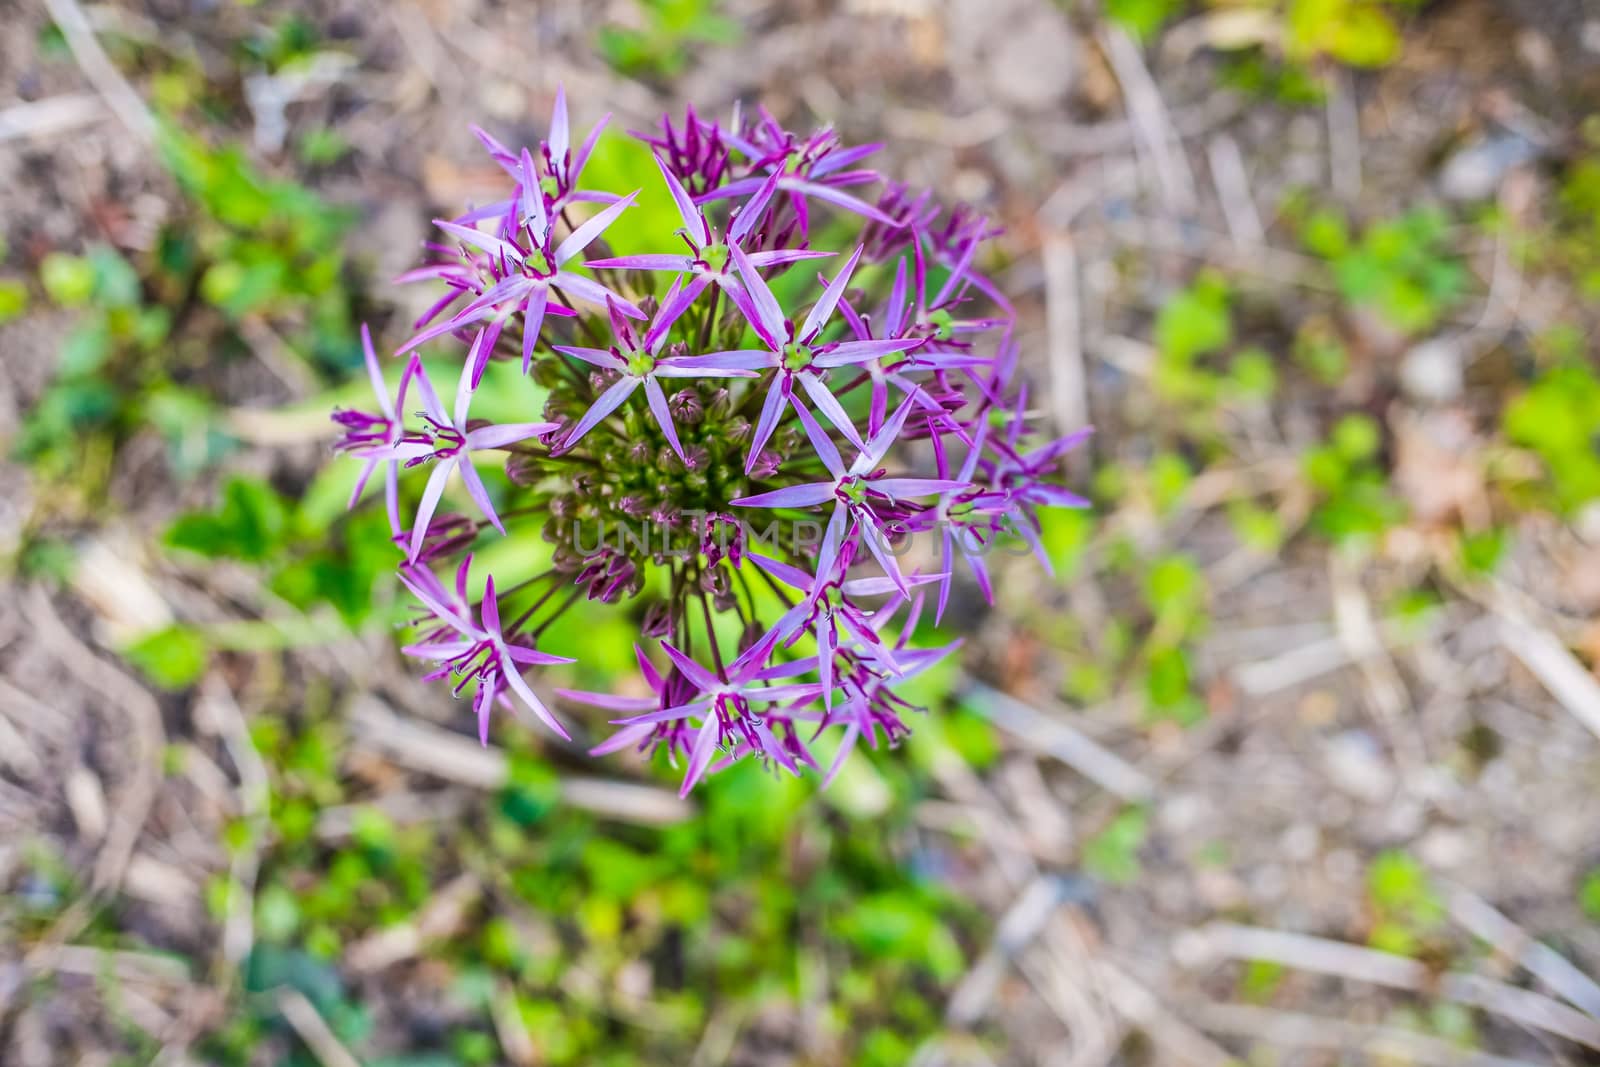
(854, 489)
(715, 256)
(536, 265)
(640, 363)
(943, 324)
(796, 356)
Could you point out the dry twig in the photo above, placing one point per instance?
(1558, 669)
(50, 116)
(119, 691)
(1148, 114)
(312, 1029)
(1055, 737)
(1486, 923)
(1324, 1034)
(430, 750)
(101, 72)
(1068, 380)
(1223, 940)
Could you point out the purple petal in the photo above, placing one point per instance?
(744, 359)
(658, 407)
(879, 547)
(592, 291)
(769, 316)
(841, 158)
(584, 235)
(533, 657)
(888, 433)
(682, 711)
(782, 256)
(792, 576)
(580, 160)
(693, 220)
(645, 262)
(479, 492)
(608, 402)
(821, 443)
(678, 299)
(732, 189)
(829, 405)
(823, 309)
(705, 745)
(750, 212)
(428, 505)
(497, 151)
(605, 359)
(771, 408)
(500, 435)
(375, 372)
(483, 241)
(698, 676)
(846, 352)
(794, 496)
(607, 701)
(532, 323)
(560, 140)
(847, 743)
(627, 737)
(465, 384)
(532, 202)
(490, 609)
(901, 488)
(842, 199)
(514, 679)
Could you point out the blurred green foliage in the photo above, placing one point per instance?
(1589, 894)
(770, 893)
(1558, 417)
(1276, 48)
(264, 247)
(1402, 268)
(1573, 243)
(660, 46)
(1112, 855)
(244, 245)
(1355, 502)
(1406, 911)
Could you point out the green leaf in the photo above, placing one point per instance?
(116, 283)
(1175, 588)
(1589, 895)
(277, 914)
(1112, 855)
(1559, 418)
(13, 299)
(173, 658)
(1196, 321)
(248, 526)
(1357, 437)
(68, 279)
(1142, 18)
(86, 348)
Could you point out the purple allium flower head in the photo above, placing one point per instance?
(696, 403)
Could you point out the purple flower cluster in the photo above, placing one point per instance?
(733, 379)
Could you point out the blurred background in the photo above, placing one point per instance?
(1292, 762)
